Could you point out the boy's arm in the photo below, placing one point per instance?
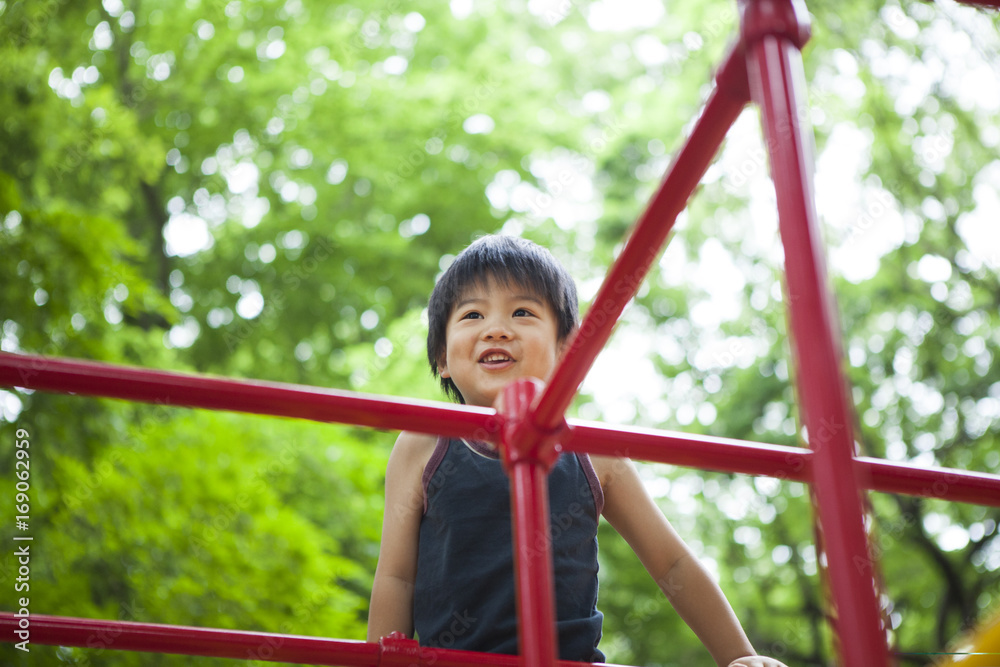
(392, 590)
(681, 577)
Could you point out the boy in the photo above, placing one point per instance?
(504, 310)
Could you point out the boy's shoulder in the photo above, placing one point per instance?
(413, 449)
(612, 468)
(414, 440)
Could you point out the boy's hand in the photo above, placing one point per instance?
(756, 661)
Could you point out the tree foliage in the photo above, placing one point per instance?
(268, 189)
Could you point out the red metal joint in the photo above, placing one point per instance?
(731, 77)
(521, 439)
(781, 18)
(398, 650)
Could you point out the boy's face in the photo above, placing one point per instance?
(496, 334)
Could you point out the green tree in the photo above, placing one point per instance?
(268, 189)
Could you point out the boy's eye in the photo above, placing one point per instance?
(522, 312)
(472, 315)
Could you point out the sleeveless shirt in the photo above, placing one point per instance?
(464, 593)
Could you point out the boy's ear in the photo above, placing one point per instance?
(563, 344)
(443, 367)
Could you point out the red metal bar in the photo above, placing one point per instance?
(961, 486)
(264, 646)
(183, 640)
(769, 72)
(528, 461)
(794, 464)
(251, 396)
(285, 400)
(696, 451)
(773, 33)
(529, 494)
(646, 240)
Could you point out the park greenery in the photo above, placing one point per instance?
(267, 189)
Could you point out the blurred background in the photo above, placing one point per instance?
(268, 190)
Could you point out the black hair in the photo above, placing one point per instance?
(508, 260)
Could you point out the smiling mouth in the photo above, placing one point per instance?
(495, 359)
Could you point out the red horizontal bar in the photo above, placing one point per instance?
(263, 646)
(787, 463)
(324, 405)
(961, 486)
(696, 451)
(184, 640)
(252, 396)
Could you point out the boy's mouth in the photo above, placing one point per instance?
(495, 359)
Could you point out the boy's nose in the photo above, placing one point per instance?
(496, 331)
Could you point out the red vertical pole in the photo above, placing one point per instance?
(533, 568)
(528, 462)
(774, 31)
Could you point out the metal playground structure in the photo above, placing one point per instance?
(764, 67)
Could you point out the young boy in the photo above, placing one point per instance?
(504, 310)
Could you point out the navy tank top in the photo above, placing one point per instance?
(464, 595)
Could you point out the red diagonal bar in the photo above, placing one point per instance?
(646, 240)
(773, 32)
(251, 396)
